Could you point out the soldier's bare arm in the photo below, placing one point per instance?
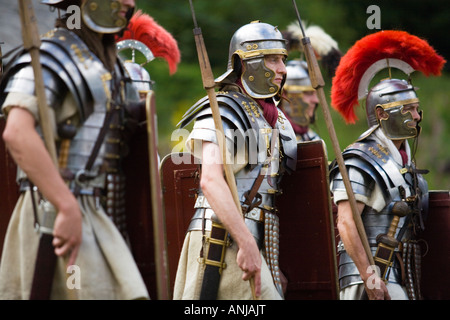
(29, 152)
(219, 197)
(353, 245)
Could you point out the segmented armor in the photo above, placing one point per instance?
(371, 164)
(68, 65)
(241, 117)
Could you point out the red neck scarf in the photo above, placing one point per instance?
(403, 154)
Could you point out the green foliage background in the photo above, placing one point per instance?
(344, 20)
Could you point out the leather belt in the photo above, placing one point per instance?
(25, 185)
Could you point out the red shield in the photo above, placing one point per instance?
(436, 249)
(307, 241)
(139, 209)
(144, 208)
(9, 190)
(180, 182)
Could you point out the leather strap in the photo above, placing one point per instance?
(214, 263)
(45, 260)
(44, 270)
(248, 204)
(95, 150)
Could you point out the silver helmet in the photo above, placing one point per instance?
(297, 83)
(250, 43)
(101, 16)
(393, 95)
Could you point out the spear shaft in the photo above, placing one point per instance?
(32, 42)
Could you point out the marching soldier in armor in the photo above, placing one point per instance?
(263, 146)
(90, 101)
(390, 191)
(300, 98)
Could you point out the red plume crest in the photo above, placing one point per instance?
(368, 50)
(144, 28)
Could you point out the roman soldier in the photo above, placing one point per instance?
(262, 146)
(390, 191)
(92, 103)
(300, 98)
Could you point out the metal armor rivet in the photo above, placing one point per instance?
(255, 46)
(267, 74)
(251, 78)
(249, 47)
(272, 89)
(93, 6)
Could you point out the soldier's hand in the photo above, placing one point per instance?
(67, 232)
(377, 290)
(249, 260)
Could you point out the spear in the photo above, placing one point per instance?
(209, 85)
(46, 258)
(318, 84)
(32, 42)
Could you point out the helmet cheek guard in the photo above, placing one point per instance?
(102, 16)
(396, 124)
(257, 78)
(297, 109)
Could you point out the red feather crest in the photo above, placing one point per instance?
(368, 50)
(144, 28)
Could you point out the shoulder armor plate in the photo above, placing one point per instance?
(375, 160)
